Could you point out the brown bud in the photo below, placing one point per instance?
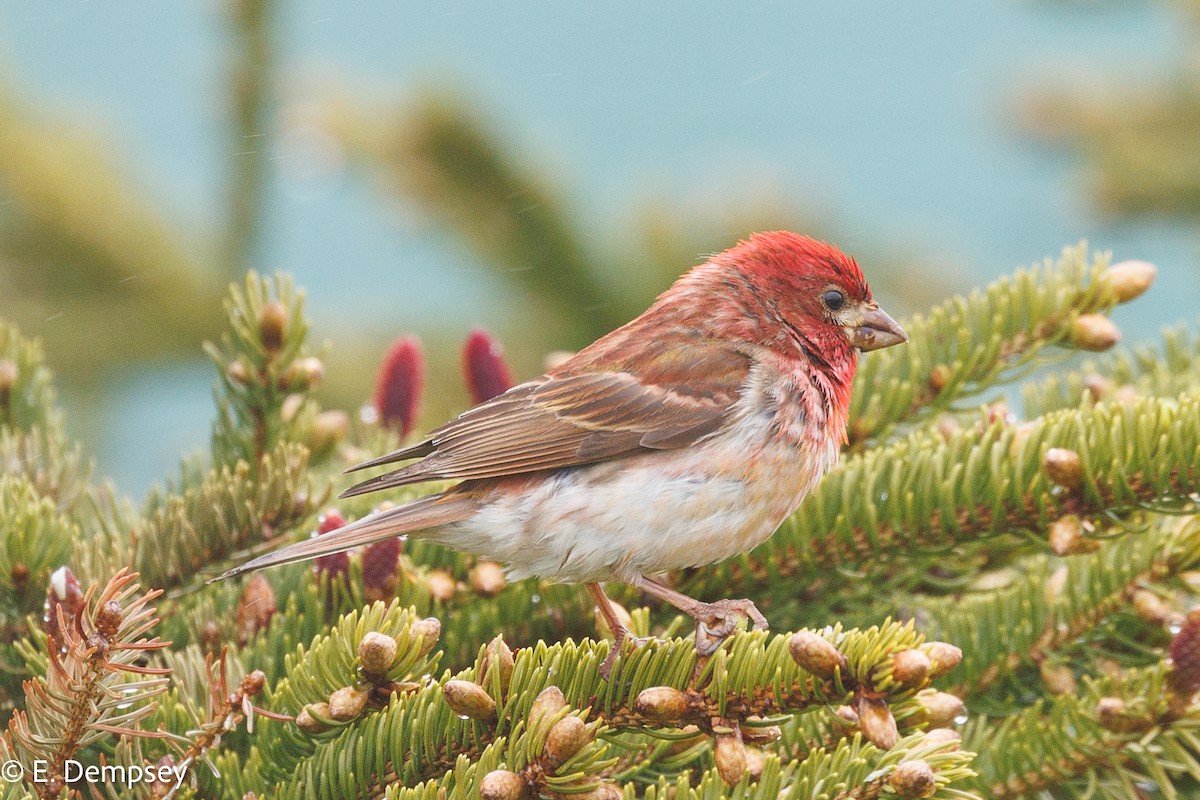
(876, 721)
(756, 734)
(602, 621)
(329, 428)
(1098, 386)
(942, 709)
(1058, 678)
(1020, 436)
(730, 755)
(565, 739)
(498, 656)
(1150, 607)
(428, 630)
(756, 762)
(302, 374)
(1067, 539)
(309, 718)
(1093, 332)
(604, 791)
(108, 619)
(238, 372)
(1184, 677)
(211, 636)
(1056, 583)
(913, 779)
(1064, 467)
(1113, 715)
(548, 703)
(501, 784)
(939, 378)
(469, 700)
(1128, 279)
(376, 653)
(255, 608)
(8, 375)
(942, 736)
(816, 655)
(661, 704)
(943, 657)
(487, 578)
(347, 703)
(847, 715)
(442, 586)
(272, 322)
(253, 683)
(911, 668)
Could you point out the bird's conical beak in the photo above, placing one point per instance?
(875, 330)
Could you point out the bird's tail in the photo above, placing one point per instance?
(424, 512)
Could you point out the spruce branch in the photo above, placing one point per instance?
(1055, 602)
(967, 345)
(37, 540)
(924, 492)
(265, 373)
(232, 508)
(57, 470)
(95, 686)
(27, 396)
(1117, 733)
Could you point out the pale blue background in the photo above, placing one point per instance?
(893, 117)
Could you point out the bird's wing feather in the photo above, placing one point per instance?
(669, 398)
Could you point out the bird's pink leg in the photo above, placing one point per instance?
(714, 621)
(619, 631)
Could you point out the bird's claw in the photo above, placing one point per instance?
(715, 622)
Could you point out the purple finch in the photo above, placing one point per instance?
(682, 438)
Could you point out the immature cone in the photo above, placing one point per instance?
(565, 739)
(469, 700)
(1067, 539)
(380, 562)
(1150, 607)
(499, 657)
(63, 593)
(661, 704)
(238, 372)
(1128, 279)
(876, 721)
(942, 709)
(939, 378)
(442, 586)
(487, 578)
(730, 755)
(943, 735)
(913, 779)
(399, 384)
(272, 323)
(1058, 678)
(548, 703)
(302, 374)
(1064, 467)
(307, 720)
(483, 364)
(347, 703)
(816, 655)
(255, 608)
(1184, 677)
(376, 653)
(429, 630)
(943, 657)
(756, 762)
(108, 619)
(911, 668)
(500, 784)
(334, 564)
(1093, 332)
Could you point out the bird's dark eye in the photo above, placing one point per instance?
(833, 300)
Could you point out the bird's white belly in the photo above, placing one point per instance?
(646, 514)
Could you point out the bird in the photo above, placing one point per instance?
(680, 439)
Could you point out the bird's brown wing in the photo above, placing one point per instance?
(568, 418)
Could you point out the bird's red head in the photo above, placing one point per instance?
(811, 295)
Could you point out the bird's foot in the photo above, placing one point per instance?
(715, 622)
(622, 636)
